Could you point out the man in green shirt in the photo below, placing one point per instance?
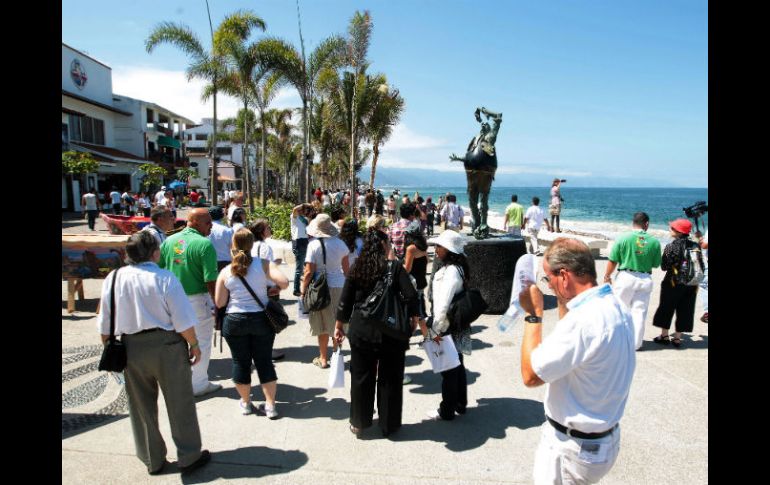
(192, 258)
(514, 217)
(634, 253)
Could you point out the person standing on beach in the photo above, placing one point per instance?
(452, 214)
(192, 258)
(587, 364)
(534, 219)
(634, 254)
(555, 208)
(514, 217)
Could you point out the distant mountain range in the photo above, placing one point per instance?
(405, 177)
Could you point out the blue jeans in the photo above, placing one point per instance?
(299, 248)
(250, 338)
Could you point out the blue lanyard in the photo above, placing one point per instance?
(601, 292)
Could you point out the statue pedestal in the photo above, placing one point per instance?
(492, 262)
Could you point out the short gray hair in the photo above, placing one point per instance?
(140, 247)
(157, 212)
(572, 255)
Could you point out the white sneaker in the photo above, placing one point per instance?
(271, 413)
(211, 387)
(246, 408)
(434, 415)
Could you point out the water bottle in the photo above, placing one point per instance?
(507, 319)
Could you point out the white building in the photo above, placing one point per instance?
(120, 132)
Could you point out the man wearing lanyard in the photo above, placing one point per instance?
(587, 364)
(635, 254)
(192, 258)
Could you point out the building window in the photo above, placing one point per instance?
(224, 150)
(86, 129)
(65, 139)
(150, 118)
(201, 137)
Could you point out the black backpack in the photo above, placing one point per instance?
(466, 307)
(317, 296)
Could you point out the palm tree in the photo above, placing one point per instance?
(284, 58)
(265, 84)
(359, 36)
(387, 111)
(206, 65)
(283, 141)
(230, 41)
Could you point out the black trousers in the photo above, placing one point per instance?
(679, 300)
(454, 391)
(385, 368)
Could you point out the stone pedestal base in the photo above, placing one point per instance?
(492, 262)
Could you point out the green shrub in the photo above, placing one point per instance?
(279, 215)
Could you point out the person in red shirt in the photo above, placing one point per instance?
(194, 196)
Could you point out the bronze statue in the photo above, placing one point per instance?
(480, 162)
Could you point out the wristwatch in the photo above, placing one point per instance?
(533, 319)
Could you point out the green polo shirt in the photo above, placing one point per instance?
(192, 258)
(515, 213)
(636, 251)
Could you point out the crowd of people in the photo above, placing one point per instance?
(169, 295)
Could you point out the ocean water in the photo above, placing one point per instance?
(603, 211)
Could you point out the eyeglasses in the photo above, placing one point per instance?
(547, 279)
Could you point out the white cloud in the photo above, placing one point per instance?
(405, 139)
(173, 91)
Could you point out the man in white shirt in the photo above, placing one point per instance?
(90, 205)
(160, 195)
(221, 237)
(299, 221)
(115, 200)
(587, 364)
(162, 221)
(533, 219)
(237, 203)
(452, 214)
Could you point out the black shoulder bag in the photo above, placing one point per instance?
(466, 307)
(317, 296)
(276, 315)
(114, 353)
(385, 308)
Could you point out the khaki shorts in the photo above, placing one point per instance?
(554, 209)
(322, 321)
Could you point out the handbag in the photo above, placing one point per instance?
(114, 353)
(337, 370)
(442, 356)
(466, 307)
(386, 308)
(317, 296)
(276, 315)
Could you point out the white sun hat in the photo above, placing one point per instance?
(450, 240)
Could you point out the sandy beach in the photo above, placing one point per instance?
(666, 414)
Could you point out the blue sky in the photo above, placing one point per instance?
(615, 89)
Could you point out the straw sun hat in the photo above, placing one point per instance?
(322, 226)
(450, 240)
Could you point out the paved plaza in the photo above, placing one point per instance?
(664, 429)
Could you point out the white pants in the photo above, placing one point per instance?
(204, 331)
(634, 289)
(562, 459)
(534, 247)
(514, 231)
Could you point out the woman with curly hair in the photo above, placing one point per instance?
(376, 358)
(350, 236)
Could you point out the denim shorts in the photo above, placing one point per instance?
(250, 338)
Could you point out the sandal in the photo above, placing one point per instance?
(319, 363)
(676, 342)
(661, 339)
(705, 318)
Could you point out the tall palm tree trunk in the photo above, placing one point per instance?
(375, 156)
(303, 168)
(263, 163)
(214, 153)
(246, 166)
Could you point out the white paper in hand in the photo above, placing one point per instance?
(523, 276)
(442, 356)
(337, 370)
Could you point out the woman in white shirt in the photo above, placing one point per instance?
(246, 329)
(445, 284)
(336, 267)
(352, 239)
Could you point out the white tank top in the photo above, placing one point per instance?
(241, 300)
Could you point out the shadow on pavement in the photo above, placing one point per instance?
(687, 343)
(489, 419)
(72, 424)
(86, 305)
(426, 382)
(249, 462)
